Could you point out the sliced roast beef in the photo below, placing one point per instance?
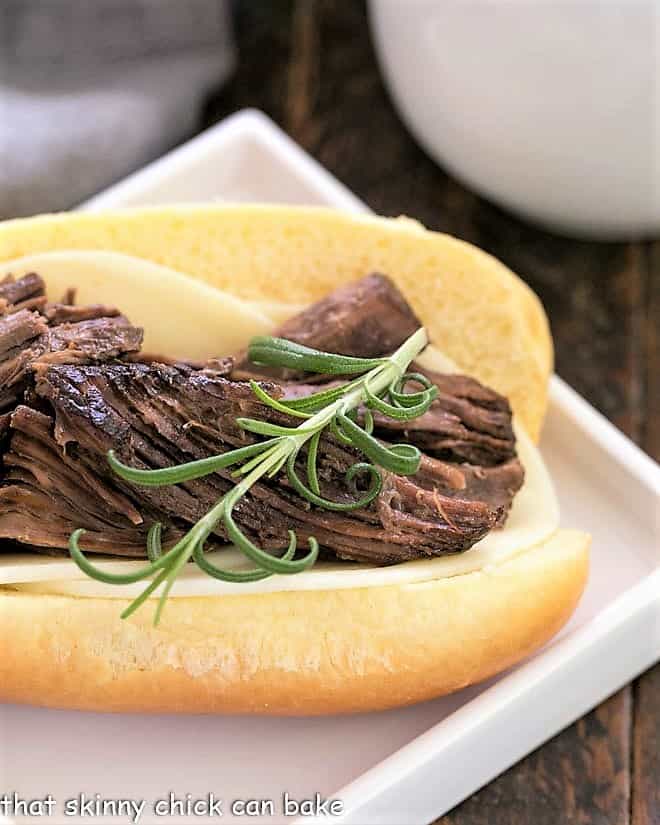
(367, 318)
(155, 415)
(26, 340)
(466, 423)
(18, 293)
(69, 313)
(21, 334)
(47, 494)
(91, 390)
(32, 330)
(93, 340)
(370, 318)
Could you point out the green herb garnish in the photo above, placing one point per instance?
(380, 387)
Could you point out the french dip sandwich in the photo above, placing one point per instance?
(272, 460)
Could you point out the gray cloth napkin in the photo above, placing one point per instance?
(92, 89)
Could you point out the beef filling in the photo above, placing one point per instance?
(369, 318)
(34, 331)
(25, 293)
(86, 389)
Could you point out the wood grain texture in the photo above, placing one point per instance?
(581, 776)
(310, 65)
(651, 441)
(646, 750)
(646, 718)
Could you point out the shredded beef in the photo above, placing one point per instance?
(84, 342)
(467, 422)
(15, 293)
(20, 336)
(368, 318)
(33, 331)
(83, 387)
(47, 493)
(67, 313)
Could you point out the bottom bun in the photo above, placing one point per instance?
(296, 652)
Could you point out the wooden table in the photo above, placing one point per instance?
(310, 65)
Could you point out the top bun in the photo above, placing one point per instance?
(476, 310)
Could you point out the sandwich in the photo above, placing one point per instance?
(273, 460)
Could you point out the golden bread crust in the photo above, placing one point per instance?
(310, 652)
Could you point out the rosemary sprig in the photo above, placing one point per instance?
(380, 386)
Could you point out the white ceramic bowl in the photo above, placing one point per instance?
(550, 109)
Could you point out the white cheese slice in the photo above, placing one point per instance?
(181, 316)
(187, 318)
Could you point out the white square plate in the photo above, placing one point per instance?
(403, 766)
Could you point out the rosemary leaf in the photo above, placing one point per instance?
(401, 459)
(278, 352)
(183, 472)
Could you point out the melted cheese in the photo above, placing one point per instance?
(184, 317)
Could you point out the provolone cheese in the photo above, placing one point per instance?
(181, 317)
(186, 318)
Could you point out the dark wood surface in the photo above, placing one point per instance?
(310, 65)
